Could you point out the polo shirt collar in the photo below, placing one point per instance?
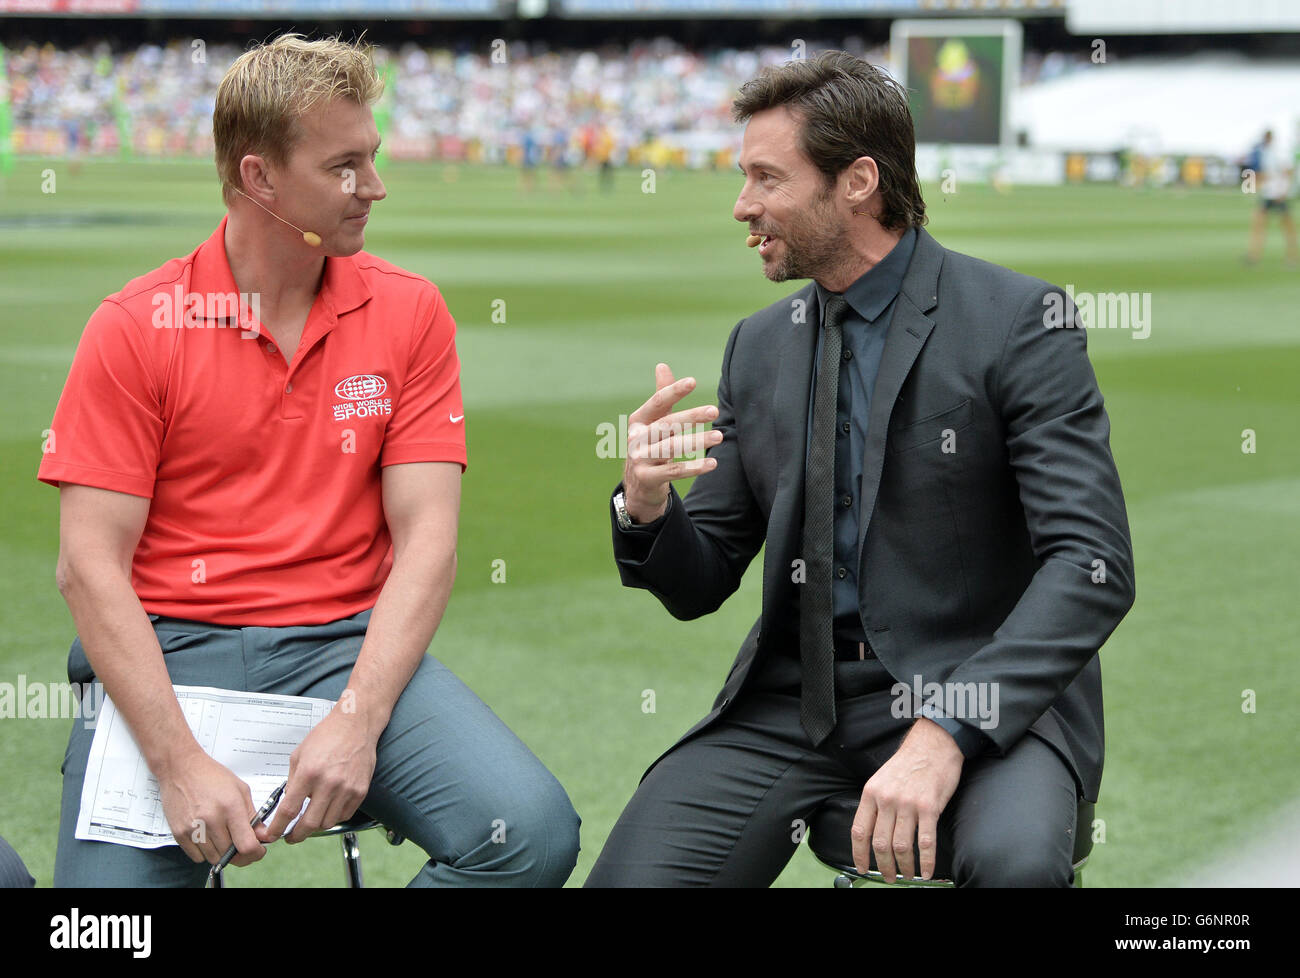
(876, 288)
(342, 287)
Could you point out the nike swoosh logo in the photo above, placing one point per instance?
(454, 419)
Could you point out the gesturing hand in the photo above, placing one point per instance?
(656, 440)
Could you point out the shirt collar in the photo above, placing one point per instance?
(876, 288)
(342, 286)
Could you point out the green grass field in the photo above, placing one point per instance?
(598, 288)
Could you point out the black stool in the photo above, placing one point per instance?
(828, 837)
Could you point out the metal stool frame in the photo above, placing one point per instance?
(351, 850)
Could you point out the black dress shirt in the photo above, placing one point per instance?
(871, 302)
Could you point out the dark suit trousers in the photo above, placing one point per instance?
(728, 807)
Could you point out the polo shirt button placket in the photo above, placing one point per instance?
(290, 407)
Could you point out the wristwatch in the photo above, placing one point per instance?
(620, 511)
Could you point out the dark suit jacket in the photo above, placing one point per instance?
(979, 564)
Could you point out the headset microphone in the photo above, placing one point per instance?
(311, 237)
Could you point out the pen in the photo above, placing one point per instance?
(262, 812)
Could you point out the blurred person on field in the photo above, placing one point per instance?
(1273, 184)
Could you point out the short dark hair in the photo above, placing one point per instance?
(849, 109)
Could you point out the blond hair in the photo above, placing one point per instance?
(269, 88)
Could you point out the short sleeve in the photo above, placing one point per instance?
(428, 423)
(108, 426)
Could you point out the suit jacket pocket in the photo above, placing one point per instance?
(930, 428)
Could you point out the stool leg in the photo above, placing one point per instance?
(352, 860)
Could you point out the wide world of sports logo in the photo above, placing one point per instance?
(363, 398)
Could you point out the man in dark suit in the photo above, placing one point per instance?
(919, 438)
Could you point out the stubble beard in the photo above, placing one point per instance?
(813, 250)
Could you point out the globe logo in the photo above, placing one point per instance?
(361, 387)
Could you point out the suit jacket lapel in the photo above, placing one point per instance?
(908, 331)
(790, 392)
(790, 416)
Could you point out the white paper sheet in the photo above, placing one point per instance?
(252, 734)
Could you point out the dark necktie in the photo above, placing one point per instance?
(816, 614)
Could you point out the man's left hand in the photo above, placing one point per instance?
(903, 800)
(333, 766)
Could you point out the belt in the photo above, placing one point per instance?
(845, 651)
(853, 651)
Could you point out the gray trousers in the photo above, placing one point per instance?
(725, 808)
(450, 776)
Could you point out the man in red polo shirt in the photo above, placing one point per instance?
(259, 452)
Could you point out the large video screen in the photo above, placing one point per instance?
(958, 75)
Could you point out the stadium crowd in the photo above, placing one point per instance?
(655, 101)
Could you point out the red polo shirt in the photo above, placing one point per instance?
(264, 475)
